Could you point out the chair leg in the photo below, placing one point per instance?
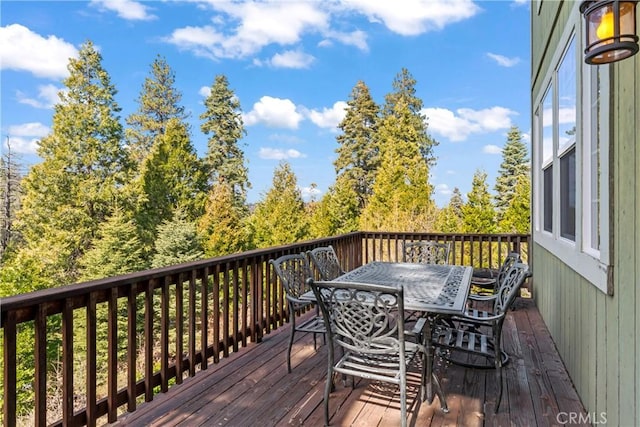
(498, 362)
(291, 335)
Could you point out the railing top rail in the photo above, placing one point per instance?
(15, 302)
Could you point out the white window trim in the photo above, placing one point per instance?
(591, 264)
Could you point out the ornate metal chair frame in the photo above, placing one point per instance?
(363, 320)
(482, 335)
(293, 271)
(426, 252)
(325, 261)
(491, 280)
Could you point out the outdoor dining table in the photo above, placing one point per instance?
(428, 288)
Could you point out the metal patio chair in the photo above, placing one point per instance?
(363, 321)
(293, 271)
(480, 337)
(326, 262)
(426, 252)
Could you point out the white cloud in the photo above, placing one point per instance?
(310, 192)
(278, 154)
(23, 50)
(503, 60)
(329, 117)
(415, 16)
(291, 59)
(356, 38)
(250, 27)
(126, 9)
(24, 138)
(47, 97)
(204, 91)
(465, 121)
(443, 189)
(274, 112)
(491, 149)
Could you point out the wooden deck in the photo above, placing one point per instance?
(252, 387)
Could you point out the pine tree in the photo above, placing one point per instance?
(358, 153)
(221, 226)
(225, 160)
(404, 92)
(177, 241)
(10, 177)
(116, 250)
(171, 178)
(515, 164)
(478, 213)
(401, 199)
(159, 102)
(516, 218)
(449, 219)
(337, 212)
(83, 168)
(280, 217)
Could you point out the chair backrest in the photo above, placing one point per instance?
(426, 252)
(293, 271)
(363, 318)
(509, 287)
(325, 260)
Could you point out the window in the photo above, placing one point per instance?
(571, 159)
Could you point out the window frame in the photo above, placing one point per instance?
(592, 264)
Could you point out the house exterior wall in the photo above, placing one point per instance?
(598, 335)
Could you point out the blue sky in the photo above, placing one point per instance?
(292, 65)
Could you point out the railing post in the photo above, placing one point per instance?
(10, 378)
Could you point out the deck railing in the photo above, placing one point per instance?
(144, 332)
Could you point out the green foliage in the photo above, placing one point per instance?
(224, 160)
(337, 212)
(171, 177)
(177, 242)
(515, 164)
(401, 199)
(74, 188)
(449, 218)
(404, 93)
(358, 153)
(517, 217)
(158, 103)
(221, 226)
(116, 250)
(478, 213)
(280, 217)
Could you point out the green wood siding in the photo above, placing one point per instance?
(598, 336)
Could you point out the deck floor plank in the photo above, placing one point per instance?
(252, 387)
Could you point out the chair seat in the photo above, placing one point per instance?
(380, 367)
(471, 342)
(314, 324)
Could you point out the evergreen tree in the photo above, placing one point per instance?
(337, 212)
(515, 164)
(159, 102)
(449, 219)
(517, 216)
(10, 178)
(221, 226)
(280, 217)
(177, 242)
(84, 166)
(404, 92)
(478, 213)
(171, 177)
(401, 199)
(116, 250)
(358, 153)
(223, 122)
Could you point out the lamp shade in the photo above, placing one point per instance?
(610, 29)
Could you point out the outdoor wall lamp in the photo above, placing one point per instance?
(611, 30)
